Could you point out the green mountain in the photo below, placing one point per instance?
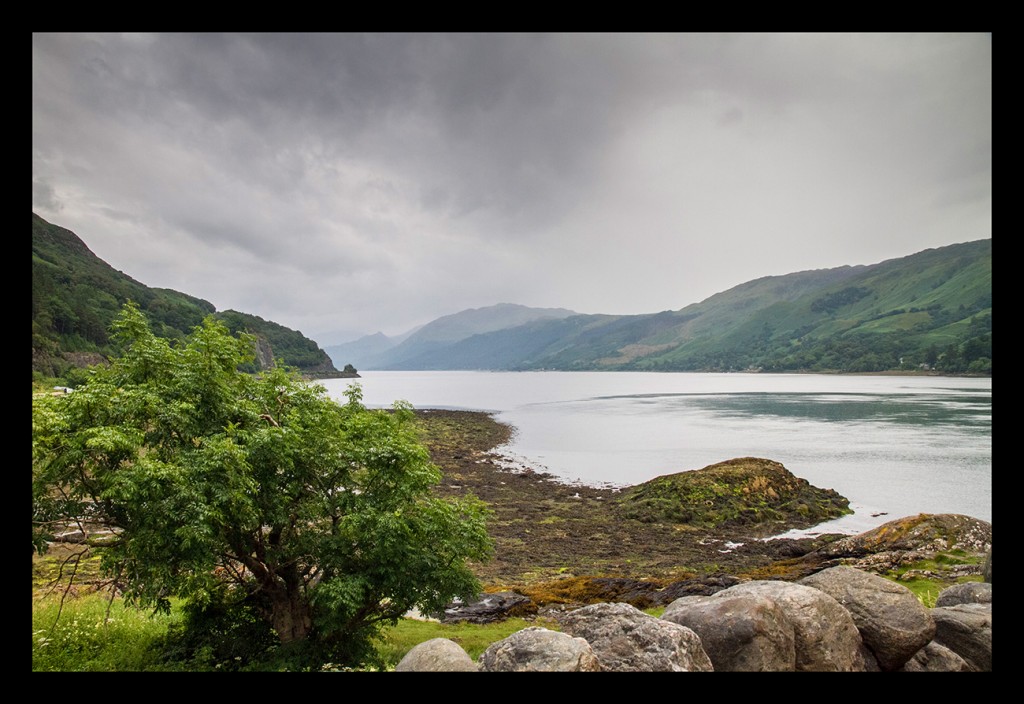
(76, 295)
(425, 347)
(930, 310)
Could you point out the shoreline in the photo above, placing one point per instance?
(545, 529)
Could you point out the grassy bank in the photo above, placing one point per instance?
(95, 634)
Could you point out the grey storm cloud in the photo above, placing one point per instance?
(375, 181)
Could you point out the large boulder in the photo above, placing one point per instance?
(935, 658)
(538, 649)
(825, 636)
(893, 623)
(965, 593)
(739, 632)
(625, 639)
(437, 655)
(966, 629)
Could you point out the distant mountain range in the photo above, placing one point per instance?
(931, 310)
(76, 295)
(417, 349)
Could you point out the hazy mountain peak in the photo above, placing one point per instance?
(475, 321)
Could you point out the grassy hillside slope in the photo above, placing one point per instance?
(931, 310)
(76, 295)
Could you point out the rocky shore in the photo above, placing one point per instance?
(592, 558)
(839, 620)
(546, 529)
(564, 544)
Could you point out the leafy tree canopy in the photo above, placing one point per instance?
(196, 480)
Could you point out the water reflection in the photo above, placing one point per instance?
(894, 446)
(958, 411)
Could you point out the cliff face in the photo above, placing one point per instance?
(323, 368)
(264, 354)
(348, 373)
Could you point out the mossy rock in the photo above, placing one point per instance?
(934, 532)
(747, 491)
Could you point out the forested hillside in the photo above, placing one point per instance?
(75, 296)
(927, 311)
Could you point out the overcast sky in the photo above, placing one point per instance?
(342, 184)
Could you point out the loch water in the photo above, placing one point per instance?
(893, 445)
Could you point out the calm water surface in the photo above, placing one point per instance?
(895, 446)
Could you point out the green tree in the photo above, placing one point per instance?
(193, 479)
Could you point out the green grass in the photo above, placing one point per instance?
(927, 589)
(88, 638)
(84, 639)
(474, 638)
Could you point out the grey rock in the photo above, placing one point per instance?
(986, 571)
(936, 657)
(625, 639)
(965, 593)
(739, 632)
(893, 623)
(966, 629)
(826, 638)
(916, 535)
(537, 649)
(870, 661)
(489, 608)
(437, 655)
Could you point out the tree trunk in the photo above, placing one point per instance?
(290, 615)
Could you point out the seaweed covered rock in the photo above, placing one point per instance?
(925, 531)
(758, 494)
(489, 608)
(961, 541)
(643, 594)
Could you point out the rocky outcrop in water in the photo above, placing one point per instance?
(749, 493)
(953, 545)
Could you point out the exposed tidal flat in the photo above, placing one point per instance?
(893, 445)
